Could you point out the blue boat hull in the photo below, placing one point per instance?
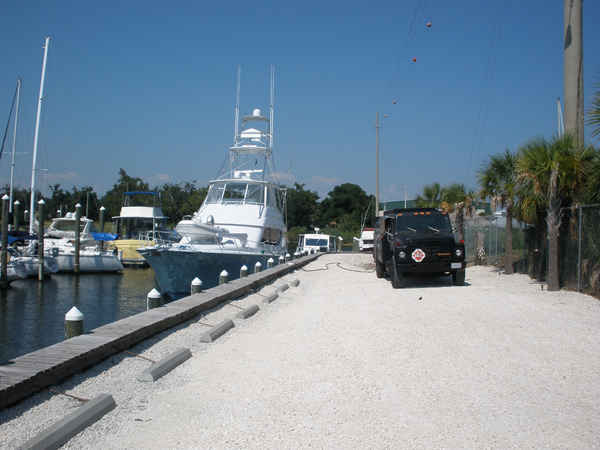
(175, 270)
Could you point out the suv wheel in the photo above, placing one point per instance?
(396, 277)
(458, 277)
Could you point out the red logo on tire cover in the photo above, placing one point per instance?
(418, 255)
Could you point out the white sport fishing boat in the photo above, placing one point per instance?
(59, 242)
(240, 221)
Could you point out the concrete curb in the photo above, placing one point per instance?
(249, 311)
(283, 288)
(165, 365)
(270, 298)
(58, 434)
(217, 331)
(295, 283)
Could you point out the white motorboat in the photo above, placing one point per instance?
(240, 222)
(31, 262)
(314, 243)
(59, 242)
(15, 271)
(141, 223)
(365, 242)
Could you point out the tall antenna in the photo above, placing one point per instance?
(237, 104)
(272, 103)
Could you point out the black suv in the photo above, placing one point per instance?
(417, 240)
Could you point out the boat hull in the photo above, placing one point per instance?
(32, 265)
(176, 269)
(128, 251)
(90, 263)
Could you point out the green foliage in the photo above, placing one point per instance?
(302, 207)
(345, 207)
(113, 199)
(593, 114)
(431, 198)
(181, 199)
(293, 233)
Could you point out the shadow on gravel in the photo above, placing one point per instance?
(421, 281)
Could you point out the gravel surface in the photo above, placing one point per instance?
(345, 361)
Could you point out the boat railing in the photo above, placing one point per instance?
(152, 237)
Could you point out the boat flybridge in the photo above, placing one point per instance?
(240, 222)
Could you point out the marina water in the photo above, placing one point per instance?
(32, 314)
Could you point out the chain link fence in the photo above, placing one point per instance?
(579, 247)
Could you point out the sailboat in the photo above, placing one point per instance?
(240, 222)
(22, 262)
(91, 259)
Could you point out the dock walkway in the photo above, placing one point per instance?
(30, 373)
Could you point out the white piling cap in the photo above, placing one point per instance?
(258, 264)
(74, 315)
(271, 260)
(196, 282)
(224, 274)
(244, 267)
(154, 294)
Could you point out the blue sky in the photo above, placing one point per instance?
(149, 86)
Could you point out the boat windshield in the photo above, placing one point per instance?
(235, 192)
(413, 224)
(69, 225)
(316, 242)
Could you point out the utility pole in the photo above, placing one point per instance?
(377, 126)
(573, 68)
(404, 196)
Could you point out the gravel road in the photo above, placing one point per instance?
(343, 361)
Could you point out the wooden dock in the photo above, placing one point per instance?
(27, 374)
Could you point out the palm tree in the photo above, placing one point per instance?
(497, 181)
(555, 170)
(460, 200)
(431, 198)
(593, 115)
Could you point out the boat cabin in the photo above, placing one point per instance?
(141, 213)
(317, 243)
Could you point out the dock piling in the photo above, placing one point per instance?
(224, 277)
(154, 299)
(196, 286)
(73, 323)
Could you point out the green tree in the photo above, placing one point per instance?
(460, 200)
(113, 199)
(593, 114)
(497, 182)
(345, 205)
(302, 207)
(556, 172)
(181, 199)
(431, 198)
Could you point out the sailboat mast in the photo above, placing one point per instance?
(12, 167)
(35, 143)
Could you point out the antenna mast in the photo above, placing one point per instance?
(237, 104)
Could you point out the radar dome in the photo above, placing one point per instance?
(256, 112)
